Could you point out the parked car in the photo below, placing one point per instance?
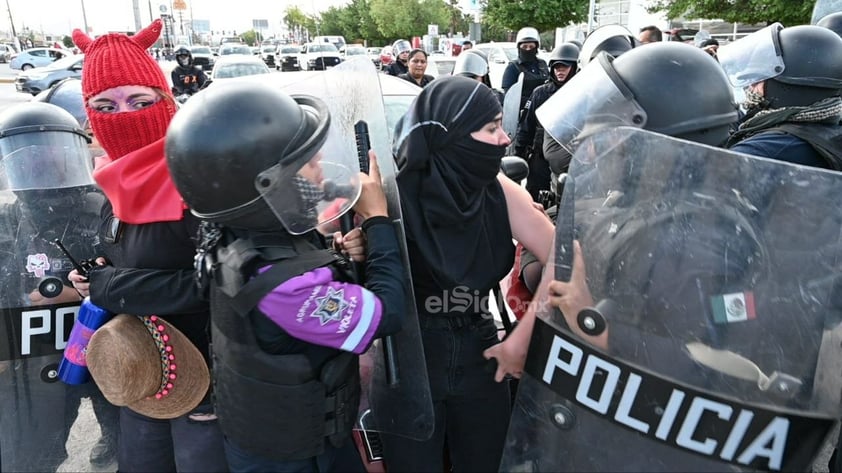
(352, 50)
(36, 57)
(6, 52)
(267, 53)
(33, 81)
(234, 48)
(438, 66)
(286, 57)
(203, 57)
(374, 55)
(499, 56)
(318, 56)
(236, 65)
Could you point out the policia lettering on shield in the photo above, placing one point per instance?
(675, 323)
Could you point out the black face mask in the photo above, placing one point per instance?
(527, 55)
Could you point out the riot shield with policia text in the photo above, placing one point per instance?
(47, 193)
(352, 93)
(710, 341)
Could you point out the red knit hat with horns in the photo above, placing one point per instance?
(115, 59)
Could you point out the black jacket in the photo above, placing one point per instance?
(530, 133)
(151, 273)
(397, 68)
(187, 80)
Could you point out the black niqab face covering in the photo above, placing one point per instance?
(454, 208)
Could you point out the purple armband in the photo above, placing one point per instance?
(316, 309)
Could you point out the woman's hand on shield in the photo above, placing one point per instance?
(80, 282)
(351, 244)
(572, 296)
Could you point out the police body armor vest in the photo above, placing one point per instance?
(530, 80)
(278, 406)
(825, 139)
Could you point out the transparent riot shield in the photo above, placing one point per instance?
(511, 108)
(401, 406)
(704, 331)
(45, 424)
(824, 8)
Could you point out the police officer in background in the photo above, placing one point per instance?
(535, 71)
(186, 78)
(793, 111)
(400, 51)
(530, 134)
(287, 324)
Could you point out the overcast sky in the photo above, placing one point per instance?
(61, 16)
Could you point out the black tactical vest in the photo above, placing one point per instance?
(278, 406)
(531, 80)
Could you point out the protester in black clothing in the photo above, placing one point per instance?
(186, 78)
(460, 217)
(400, 53)
(529, 141)
(417, 66)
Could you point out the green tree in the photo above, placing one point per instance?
(294, 18)
(67, 41)
(408, 18)
(251, 37)
(788, 12)
(541, 14)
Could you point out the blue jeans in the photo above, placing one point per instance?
(161, 445)
(471, 410)
(344, 459)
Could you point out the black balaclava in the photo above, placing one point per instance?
(454, 208)
(527, 55)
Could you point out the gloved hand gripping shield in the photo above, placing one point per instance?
(712, 340)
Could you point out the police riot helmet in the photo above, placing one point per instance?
(42, 147)
(628, 91)
(833, 22)
(183, 56)
(812, 58)
(216, 161)
(567, 53)
(471, 64)
(613, 39)
(800, 65)
(576, 42)
(401, 46)
(67, 94)
(528, 35)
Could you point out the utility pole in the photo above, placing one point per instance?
(11, 20)
(84, 16)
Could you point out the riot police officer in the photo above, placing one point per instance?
(49, 194)
(534, 69)
(530, 135)
(792, 102)
(186, 78)
(400, 51)
(287, 324)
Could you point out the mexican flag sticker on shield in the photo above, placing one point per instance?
(734, 307)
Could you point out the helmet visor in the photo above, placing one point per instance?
(61, 161)
(754, 58)
(307, 195)
(592, 99)
(599, 36)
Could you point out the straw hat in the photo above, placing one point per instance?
(148, 365)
